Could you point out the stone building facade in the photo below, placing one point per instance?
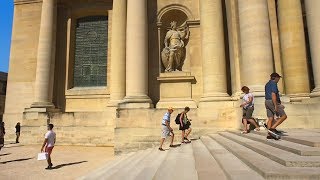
(3, 88)
(101, 72)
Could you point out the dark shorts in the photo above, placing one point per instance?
(185, 126)
(247, 113)
(271, 109)
(49, 150)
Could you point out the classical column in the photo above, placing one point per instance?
(118, 48)
(313, 16)
(256, 49)
(137, 55)
(45, 56)
(213, 52)
(234, 46)
(293, 49)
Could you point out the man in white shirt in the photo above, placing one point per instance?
(48, 144)
(166, 129)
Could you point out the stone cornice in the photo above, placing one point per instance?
(18, 2)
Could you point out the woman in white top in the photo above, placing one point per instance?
(247, 109)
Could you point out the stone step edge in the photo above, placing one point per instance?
(279, 172)
(114, 169)
(108, 165)
(129, 165)
(294, 140)
(289, 163)
(212, 167)
(253, 136)
(135, 166)
(155, 164)
(220, 162)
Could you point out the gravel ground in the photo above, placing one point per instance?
(69, 162)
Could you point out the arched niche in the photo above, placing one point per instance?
(173, 12)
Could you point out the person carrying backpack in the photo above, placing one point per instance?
(166, 129)
(185, 125)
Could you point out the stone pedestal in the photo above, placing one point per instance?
(175, 90)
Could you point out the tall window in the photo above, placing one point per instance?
(91, 47)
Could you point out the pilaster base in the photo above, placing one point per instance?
(114, 103)
(315, 92)
(136, 102)
(215, 97)
(42, 105)
(298, 97)
(174, 103)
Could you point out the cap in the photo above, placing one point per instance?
(275, 75)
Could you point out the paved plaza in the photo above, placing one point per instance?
(69, 162)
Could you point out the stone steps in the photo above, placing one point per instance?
(266, 167)
(108, 171)
(133, 168)
(179, 164)
(281, 156)
(304, 141)
(206, 166)
(296, 148)
(100, 171)
(223, 155)
(151, 166)
(233, 167)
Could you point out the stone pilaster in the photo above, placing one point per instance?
(118, 48)
(137, 56)
(234, 47)
(213, 52)
(313, 16)
(256, 49)
(45, 56)
(293, 49)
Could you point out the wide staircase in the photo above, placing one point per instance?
(223, 155)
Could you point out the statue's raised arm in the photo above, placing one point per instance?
(184, 31)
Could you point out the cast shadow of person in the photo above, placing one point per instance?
(16, 160)
(67, 164)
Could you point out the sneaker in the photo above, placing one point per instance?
(273, 135)
(160, 149)
(278, 132)
(269, 137)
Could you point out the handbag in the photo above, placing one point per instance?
(42, 156)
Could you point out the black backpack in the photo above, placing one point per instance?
(178, 118)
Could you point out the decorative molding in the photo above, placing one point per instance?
(171, 7)
(20, 2)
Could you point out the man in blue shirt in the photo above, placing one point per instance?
(166, 129)
(273, 104)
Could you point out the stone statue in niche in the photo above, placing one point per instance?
(174, 52)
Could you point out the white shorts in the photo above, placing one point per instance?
(165, 132)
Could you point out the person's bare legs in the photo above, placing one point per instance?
(252, 121)
(172, 138)
(182, 136)
(161, 142)
(49, 161)
(269, 123)
(245, 125)
(188, 132)
(278, 122)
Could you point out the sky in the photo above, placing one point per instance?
(6, 15)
